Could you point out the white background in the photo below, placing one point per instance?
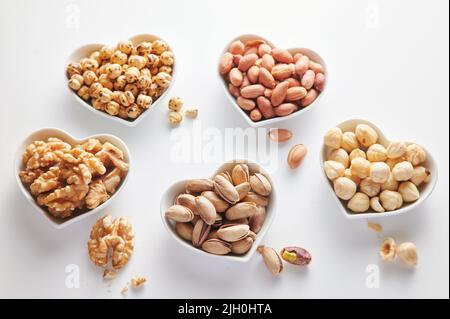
(388, 63)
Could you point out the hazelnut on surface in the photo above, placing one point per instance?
(355, 179)
(420, 175)
(376, 153)
(333, 169)
(357, 153)
(391, 184)
(360, 167)
(391, 200)
(388, 249)
(408, 253)
(409, 192)
(344, 188)
(403, 171)
(333, 138)
(359, 203)
(349, 141)
(415, 154)
(366, 135)
(396, 149)
(376, 205)
(340, 155)
(369, 187)
(379, 172)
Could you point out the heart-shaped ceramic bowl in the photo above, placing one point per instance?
(87, 49)
(310, 53)
(425, 190)
(177, 188)
(45, 133)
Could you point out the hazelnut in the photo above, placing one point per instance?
(359, 203)
(415, 154)
(388, 249)
(341, 156)
(360, 167)
(391, 200)
(420, 175)
(403, 171)
(409, 192)
(175, 118)
(344, 188)
(376, 205)
(376, 153)
(408, 253)
(369, 187)
(396, 149)
(348, 174)
(391, 184)
(357, 153)
(333, 169)
(379, 172)
(366, 135)
(349, 141)
(333, 138)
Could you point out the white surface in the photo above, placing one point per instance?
(388, 62)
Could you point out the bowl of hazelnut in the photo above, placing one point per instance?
(371, 176)
(123, 82)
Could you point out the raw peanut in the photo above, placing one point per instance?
(281, 71)
(309, 98)
(258, 62)
(297, 56)
(236, 77)
(236, 59)
(279, 93)
(237, 47)
(268, 62)
(254, 43)
(245, 104)
(293, 82)
(280, 135)
(253, 74)
(316, 67)
(252, 50)
(255, 115)
(319, 82)
(264, 49)
(245, 82)
(233, 90)
(283, 56)
(296, 155)
(308, 79)
(302, 65)
(268, 93)
(252, 91)
(247, 61)
(226, 63)
(266, 78)
(265, 107)
(285, 109)
(295, 93)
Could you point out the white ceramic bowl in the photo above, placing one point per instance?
(45, 133)
(177, 188)
(310, 53)
(425, 189)
(86, 50)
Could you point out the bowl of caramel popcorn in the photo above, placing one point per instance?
(66, 178)
(122, 82)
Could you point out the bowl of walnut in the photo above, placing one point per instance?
(122, 82)
(67, 179)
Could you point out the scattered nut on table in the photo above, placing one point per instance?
(370, 175)
(72, 179)
(138, 281)
(111, 239)
(406, 251)
(123, 80)
(222, 215)
(270, 82)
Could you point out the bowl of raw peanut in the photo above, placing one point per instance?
(122, 82)
(268, 84)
